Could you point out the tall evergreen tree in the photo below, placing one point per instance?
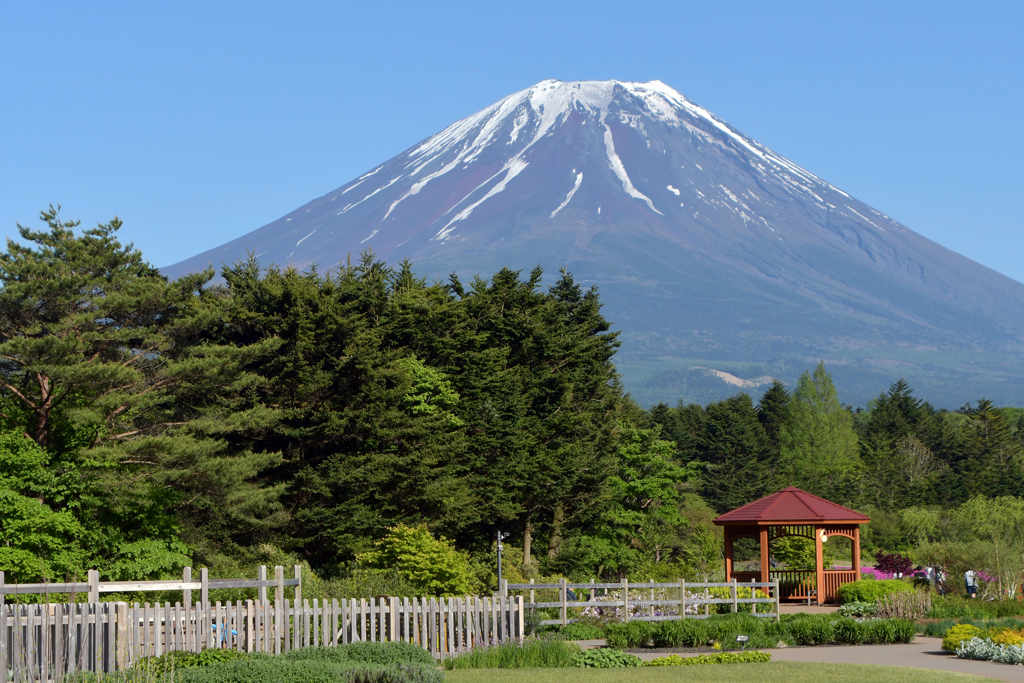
(821, 455)
(95, 372)
(738, 456)
(773, 412)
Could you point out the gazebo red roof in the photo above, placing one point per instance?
(792, 506)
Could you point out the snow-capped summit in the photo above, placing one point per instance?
(706, 244)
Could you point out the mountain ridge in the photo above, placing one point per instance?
(691, 230)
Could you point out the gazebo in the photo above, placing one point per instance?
(792, 512)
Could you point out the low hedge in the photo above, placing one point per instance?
(718, 658)
(533, 652)
(281, 670)
(380, 654)
(959, 607)
(176, 660)
(605, 658)
(939, 628)
(632, 634)
(823, 629)
(352, 663)
(871, 591)
(581, 632)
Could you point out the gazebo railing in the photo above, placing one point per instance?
(834, 578)
(799, 584)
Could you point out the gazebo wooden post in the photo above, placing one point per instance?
(764, 555)
(819, 564)
(728, 553)
(856, 552)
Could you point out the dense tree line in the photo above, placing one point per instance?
(149, 424)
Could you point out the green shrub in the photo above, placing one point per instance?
(630, 635)
(957, 634)
(381, 654)
(433, 566)
(846, 631)
(180, 659)
(581, 632)
(543, 652)
(718, 658)
(605, 658)
(889, 631)
(958, 607)
(857, 609)
(811, 630)
(281, 670)
(684, 633)
(871, 591)
(939, 628)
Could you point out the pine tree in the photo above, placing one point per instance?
(98, 371)
(821, 455)
(738, 456)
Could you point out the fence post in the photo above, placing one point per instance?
(94, 586)
(533, 596)
(625, 599)
(593, 593)
(775, 587)
(393, 631)
(279, 589)
(121, 645)
(753, 594)
(186, 593)
(261, 575)
(682, 599)
(204, 588)
(564, 597)
(298, 588)
(734, 603)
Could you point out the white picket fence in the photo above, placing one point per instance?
(43, 642)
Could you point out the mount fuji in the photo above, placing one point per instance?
(722, 262)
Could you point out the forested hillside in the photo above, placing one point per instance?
(150, 424)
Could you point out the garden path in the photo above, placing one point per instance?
(923, 653)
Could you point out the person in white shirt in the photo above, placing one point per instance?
(971, 582)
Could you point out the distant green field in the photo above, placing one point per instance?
(783, 672)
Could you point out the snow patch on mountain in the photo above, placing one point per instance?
(620, 171)
(568, 197)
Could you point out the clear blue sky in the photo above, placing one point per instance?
(197, 122)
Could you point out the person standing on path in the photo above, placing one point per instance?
(971, 582)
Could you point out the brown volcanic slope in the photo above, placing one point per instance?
(710, 250)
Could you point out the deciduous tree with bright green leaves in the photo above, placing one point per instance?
(433, 565)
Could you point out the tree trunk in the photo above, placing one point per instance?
(527, 542)
(557, 520)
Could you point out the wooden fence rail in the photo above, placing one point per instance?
(680, 600)
(92, 587)
(44, 641)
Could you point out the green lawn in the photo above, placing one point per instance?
(782, 672)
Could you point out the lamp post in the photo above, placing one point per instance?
(501, 537)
